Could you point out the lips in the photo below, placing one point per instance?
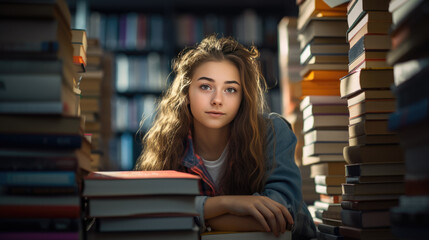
(215, 113)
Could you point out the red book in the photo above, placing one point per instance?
(135, 183)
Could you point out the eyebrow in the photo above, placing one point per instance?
(212, 80)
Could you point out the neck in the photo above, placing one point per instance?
(210, 143)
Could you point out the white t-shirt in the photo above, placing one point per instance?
(214, 167)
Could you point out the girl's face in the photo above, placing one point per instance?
(215, 94)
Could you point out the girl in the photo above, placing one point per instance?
(212, 122)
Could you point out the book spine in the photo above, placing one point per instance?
(36, 178)
(41, 141)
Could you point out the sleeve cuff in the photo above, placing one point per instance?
(199, 206)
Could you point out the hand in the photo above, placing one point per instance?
(272, 215)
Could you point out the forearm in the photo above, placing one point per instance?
(229, 222)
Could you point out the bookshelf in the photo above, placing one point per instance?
(143, 39)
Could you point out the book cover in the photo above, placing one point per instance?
(365, 219)
(373, 188)
(375, 169)
(362, 79)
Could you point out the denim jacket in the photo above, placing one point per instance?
(283, 183)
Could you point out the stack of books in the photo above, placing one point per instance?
(43, 153)
(291, 93)
(325, 136)
(410, 58)
(93, 110)
(141, 205)
(323, 55)
(375, 170)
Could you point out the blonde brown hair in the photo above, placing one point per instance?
(165, 143)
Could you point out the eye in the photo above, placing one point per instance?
(231, 90)
(205, 87)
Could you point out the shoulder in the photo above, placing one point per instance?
(276, 121)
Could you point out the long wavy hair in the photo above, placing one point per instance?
(165, 143)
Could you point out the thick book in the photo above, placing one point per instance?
(364, 62)
(327, 168)
(365, 219)
(324, 110)
(121, 183)
(357, 9)
(308, 160)
(369, 116)
(325, 228)
(331, 122)
(325, 136)
(369, 205)
(313, 8)
(362, 79)
(152, 223)
(329, 180)
(328, 189)
(323, 27)
(373, 153)
(373, 188)
(369, 43)
(372, 106)
(244, 236)
(319, 148)
(374, 139)
(378, 197)
(330, 198)
(367, 233)
(375, 169)
(371, 95)
(143, 205)
(378, 22)
(321, 100)
(369, 127)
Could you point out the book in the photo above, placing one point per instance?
(372, 106)
(308, 160)
(329, 180)
(316, 59)
(358, 8)
(121, 183)
(323, 27)
(362, 79)
(40, 124)
(330, 198)
(326, 228)
(40, 235)
(321, 100)
(38, 178)
(314, 136)
(153, 235)
(318, 148)
(144, 205)
(325, 122)
(370, 197)
(373, 188)
(410, 115)
(333, 207)
(369, 127)
(374, 139)
(370, 95)
(46, 141)
(324, 110)
(40, 206)
(40, 225)
(375, 169)
(366, 233)
(324, 75)
(244, 235)
(365, 219)
(155, 223)
(329, 168)
(369, 42)
(322, 66)
(313, 8)
(328, 189)
(369, 117)
(372, 22)
(364, 63)
(369, 205)
(373, 153)
(375, 179)
(312, 50)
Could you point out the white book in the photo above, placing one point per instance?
(313, 99)
(326, 136)
(326, 122)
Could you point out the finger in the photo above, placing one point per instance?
(286, 213)
(269, 216)
(260, 218)
(280, 218)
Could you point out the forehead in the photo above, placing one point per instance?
(217, 70)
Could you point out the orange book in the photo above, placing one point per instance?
(331, 198)
(324, 75)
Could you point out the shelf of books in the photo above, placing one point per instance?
(409, 57)
(375, 167)
(44, 153)
(323, 53)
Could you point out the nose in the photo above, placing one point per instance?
(216, 98)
